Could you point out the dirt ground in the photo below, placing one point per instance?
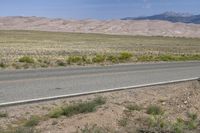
(175, 99)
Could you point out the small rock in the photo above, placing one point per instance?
(185, 102)
(163, 103)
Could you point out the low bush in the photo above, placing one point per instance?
(2, 65)
(167, 57)
(154, 110)
(124, 56)
(74, 59)
(33, 121)
(55, 113)
(112, 58)
(178, 126)
(77, 108)
(26, 59)
(144, 58)
(99, 59)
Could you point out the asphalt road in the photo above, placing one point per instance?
(32, 84)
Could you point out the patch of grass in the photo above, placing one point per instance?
(178, 126)
(191, 125)
(26, 59)
(33, 121)
(156, 122)
(167, 57)
(2, 65)
(112, 58)
(3, 114)
(99, 58)
(193, 122)
(78, 108)
(192, 116)
(55, 113)
(154, 110)
(84, 107)
(125, 56)
(74, 59)
(133, 107)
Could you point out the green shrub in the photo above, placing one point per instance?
(77, 108)
(178, 126)
(99, 58)
(33, 121)
(112, 58)
(146, 58)
(192, 116)
(154, 110)
(166, 58)
(26, 59)
(84, 107)
(2, 65)
(74, 59)
(124, 56)
(156, 121)
(56, 113)
(192, 124)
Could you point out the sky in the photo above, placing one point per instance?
(95, 9)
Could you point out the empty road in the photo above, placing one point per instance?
(31, 84)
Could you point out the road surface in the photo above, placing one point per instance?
(31, 84)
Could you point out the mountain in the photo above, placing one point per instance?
(121, 27)
(171, 16)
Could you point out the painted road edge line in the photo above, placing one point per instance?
(93, 92)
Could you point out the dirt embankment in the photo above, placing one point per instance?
(166, 108)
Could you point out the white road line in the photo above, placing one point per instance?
(93, 92)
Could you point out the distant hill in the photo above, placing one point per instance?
(121, 27)
(171, 16)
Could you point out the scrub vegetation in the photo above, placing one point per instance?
(33, 49)
(77, 108)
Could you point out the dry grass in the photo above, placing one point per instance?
(49, 47)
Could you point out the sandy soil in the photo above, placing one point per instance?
(175, 99)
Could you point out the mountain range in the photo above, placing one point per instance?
(170, 16)
(121, 27)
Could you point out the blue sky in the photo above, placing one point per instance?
(95, 9)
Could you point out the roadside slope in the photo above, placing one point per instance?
(123, 111)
